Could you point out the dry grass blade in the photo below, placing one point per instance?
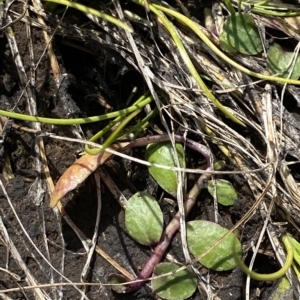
(16, 255)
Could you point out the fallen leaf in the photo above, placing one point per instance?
(79, 171)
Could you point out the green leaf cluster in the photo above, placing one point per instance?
(144, 222)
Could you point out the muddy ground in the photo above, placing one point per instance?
(88, 74)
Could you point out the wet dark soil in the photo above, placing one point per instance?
(47, 234)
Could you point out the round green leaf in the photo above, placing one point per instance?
(201, 235)
(279, 60)
(178, 286)
(224, 44)
(163, 154)
(240, 33)
(226, 194)
(144, 219)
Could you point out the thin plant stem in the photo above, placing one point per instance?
(97, 13)
(76, 121)
(113, 136)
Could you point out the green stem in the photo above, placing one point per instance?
(76, 121)
(113, 136)
(99, 134)
(273, 276)
(141, 125)
(229, 6)
(97, 13)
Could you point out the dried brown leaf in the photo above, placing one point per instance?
(78, 172)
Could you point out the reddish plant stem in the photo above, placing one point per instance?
(169, 232)
(178, 138)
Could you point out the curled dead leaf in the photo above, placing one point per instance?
(78, 172)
